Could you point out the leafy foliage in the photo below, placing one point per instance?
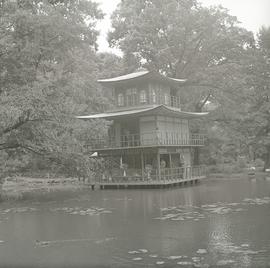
(47, 76)
(49, 67)
(224, 66)
(184, 39)
(258, 119)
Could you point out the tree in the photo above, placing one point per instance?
(258, 119)
(109, 65)
(183, 39)
(47, 76)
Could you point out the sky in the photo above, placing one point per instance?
(251, 13)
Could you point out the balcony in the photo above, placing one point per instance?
(148, 139)
(158, 99)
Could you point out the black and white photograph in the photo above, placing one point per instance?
(134, 133)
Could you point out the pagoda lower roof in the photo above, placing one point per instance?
(153, 110)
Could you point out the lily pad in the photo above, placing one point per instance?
(174, 257)
(137, 259)
(133, 252)
(201, 251)
(225, 262)
(184, 263)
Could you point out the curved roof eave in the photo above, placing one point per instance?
(140, 111)
(125, 77)
(140, 75)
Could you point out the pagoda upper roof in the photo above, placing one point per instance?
(140, 76)
(152, 110)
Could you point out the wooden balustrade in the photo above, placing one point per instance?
(144, 175)
(149, 139)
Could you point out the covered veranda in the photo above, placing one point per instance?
(151, 166)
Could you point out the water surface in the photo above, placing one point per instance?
(223, 223)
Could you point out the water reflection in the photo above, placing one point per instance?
(221, 223)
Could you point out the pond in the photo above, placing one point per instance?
(222, 222)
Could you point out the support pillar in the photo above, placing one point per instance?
(158, 166)
(170, 160)
(170, 166)
(142, 165)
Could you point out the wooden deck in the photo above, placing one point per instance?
(147, 184)
(154, 178)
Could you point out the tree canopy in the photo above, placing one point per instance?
(47, 74)
(184, 40)
(205, 45)
(258, 117)
(49, 66)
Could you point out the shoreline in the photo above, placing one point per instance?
(41, 189)
(46, 189)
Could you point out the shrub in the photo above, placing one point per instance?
(259, 162)
(241, 163)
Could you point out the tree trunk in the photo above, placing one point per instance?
(198, 109)
(267, 158)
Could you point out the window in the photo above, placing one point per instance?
(132, 96)
(120, 99)
(153, 95)
(167, 99)
(131, 91)
(142, 96)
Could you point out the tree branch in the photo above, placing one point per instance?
(30, 149)
(22, 120)
(7, 146)
(199, 105)
(194, 53)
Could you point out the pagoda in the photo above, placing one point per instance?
(149, 142)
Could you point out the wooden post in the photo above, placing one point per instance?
(158, 166)
(170, 160)
(133, 158)
(170, 166)
(182, 169)
(142, 164)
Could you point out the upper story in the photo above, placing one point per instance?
(147, 113)
(144, 88)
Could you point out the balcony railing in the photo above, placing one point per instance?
(158, 99)
(151, 175)
(149, 139)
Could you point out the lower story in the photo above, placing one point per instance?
(147, 167)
